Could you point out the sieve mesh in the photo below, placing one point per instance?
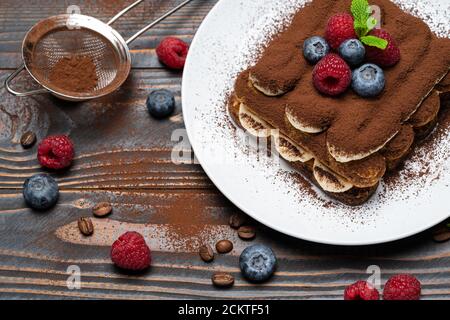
(60, 43)
(67, 36)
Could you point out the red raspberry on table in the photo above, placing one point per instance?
(173, 52)
(332, 75)
(56, 152)
(130, 252)
(383, 58)
(402, 287)
(361, 290)
(340, 27)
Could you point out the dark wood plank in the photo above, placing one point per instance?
(118, 144)
(38, 248)
(125, 157)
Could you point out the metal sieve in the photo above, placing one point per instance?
(64, 35)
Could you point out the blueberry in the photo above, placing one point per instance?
(161, 103)
(352, 51)
(40, 192)
(315, 48)
(257, 263)
(368, 80)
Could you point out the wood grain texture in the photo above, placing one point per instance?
(125, 157)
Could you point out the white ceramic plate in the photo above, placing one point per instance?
(265, 188)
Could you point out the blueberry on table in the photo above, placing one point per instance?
(368, 80)
(161, 103)
(315, 48)
(257, 263)
(40, 192)
(353, 51)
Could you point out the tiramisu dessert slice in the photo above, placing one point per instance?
(346, 95)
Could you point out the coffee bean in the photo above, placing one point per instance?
(246, 233)
(222, 279)
(102, 209)
(441, 234)
(86, 227)
(206, 253)
(28, 139)
(237, 220)
(224, 246)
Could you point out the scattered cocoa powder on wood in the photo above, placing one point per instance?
(188, 221)
(74, 73)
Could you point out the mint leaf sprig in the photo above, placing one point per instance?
(364, 23)
(360, 15)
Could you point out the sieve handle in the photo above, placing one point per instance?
(121, 13)
(16, 93)
(151, 25)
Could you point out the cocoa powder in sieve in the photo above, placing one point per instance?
(74, 73)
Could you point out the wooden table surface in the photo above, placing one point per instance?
(123, 156)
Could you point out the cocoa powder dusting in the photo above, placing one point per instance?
(355, 125)
(189, 224)
(75, 73)
(402, 141)
(427, 146)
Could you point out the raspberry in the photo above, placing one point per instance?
(56, 152)
(332, 75)
(130, 252)
(387, 57)
(361, 290)
(402, 287)
(340, 28)
(172, 52)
